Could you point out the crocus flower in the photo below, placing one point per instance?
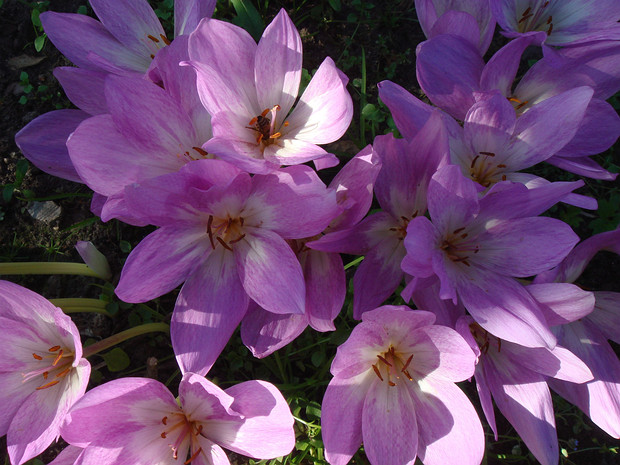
(393, 389)
(139, 421)
(249, 90)
(451, 73)
(566, 22)
(588, 337)
(148, 131)
(224, 233)
(515, 377)
(42, 374)
(127, 37)
(407, 167)
(477, 246)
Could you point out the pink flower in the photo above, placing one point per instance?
(138, 421)
(393, 389)
(42, 371)
(249, 90)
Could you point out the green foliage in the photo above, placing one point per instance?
(248, 18)
(116, 359)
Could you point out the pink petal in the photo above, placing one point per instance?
(209, 308)
(325, 288)
(324, 110)
(277, 65)
(187, 14)
(84, 87)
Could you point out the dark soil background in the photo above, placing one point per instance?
(388, 54)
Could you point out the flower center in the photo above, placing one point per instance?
(403, 222)
(265, 126)
(485, 171)
(458, 248)
(535, 19)
(54, 364)
(154, 44)
(187, 432)
(196, 153)
(225, 231)
(390, 366)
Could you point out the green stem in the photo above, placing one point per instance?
(123, 336)
(79, 305)
(47, 268)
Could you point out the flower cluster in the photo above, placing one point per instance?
(205, 137)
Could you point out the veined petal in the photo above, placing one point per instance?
(43, 142)
(130, 23)
(270, 272)
(341, 416)
(389, 425)
(605, 318)
(88, 38)
(266, 414)
(84, 87)
(162, 261)
(458, 23)
(223, 56)
(277, 65)
(265, 332)
(187, 14)
(448, 70)
(452, 432)
(562, 302)
(209, 308)
(324, 110)
(325, 288)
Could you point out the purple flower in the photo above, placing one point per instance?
(127, 38)
(588, 337)
(139, 421)
(515, 377)
(249, 90)
(477, 246)
(148, 131)
(42, 371)
(393, 389)
(224, 233)
(566, 22)
(407, 167)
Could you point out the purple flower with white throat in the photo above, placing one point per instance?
(393, 389)
(249, 90)
(42, 375)
(224, 233)
(139, 421)
(477, 246)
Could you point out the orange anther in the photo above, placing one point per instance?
(194, 455)
(64, 372)
(153, 38)
(165, 39)
(377, 372)
(50, 384)
(37, 357)
(58, 357)
(164, 420)
(53, 349)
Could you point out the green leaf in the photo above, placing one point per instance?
(313, 409)
(317, 359)
(116, 359)
(39, 42)
(34, 16)
(23, 100)
(125, 246)
(82, 10)
(23, 77)
(7, 193)
(248, 18)
(21, 170)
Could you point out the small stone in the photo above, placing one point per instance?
(46, 211)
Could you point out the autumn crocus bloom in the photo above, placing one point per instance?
(224, 233)
(515, 377)
(42, 371)
(249, 90)
(393, 389)
(139, 421)
(588, 337)
(407, 167)
(477, 246)
(566, 22)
